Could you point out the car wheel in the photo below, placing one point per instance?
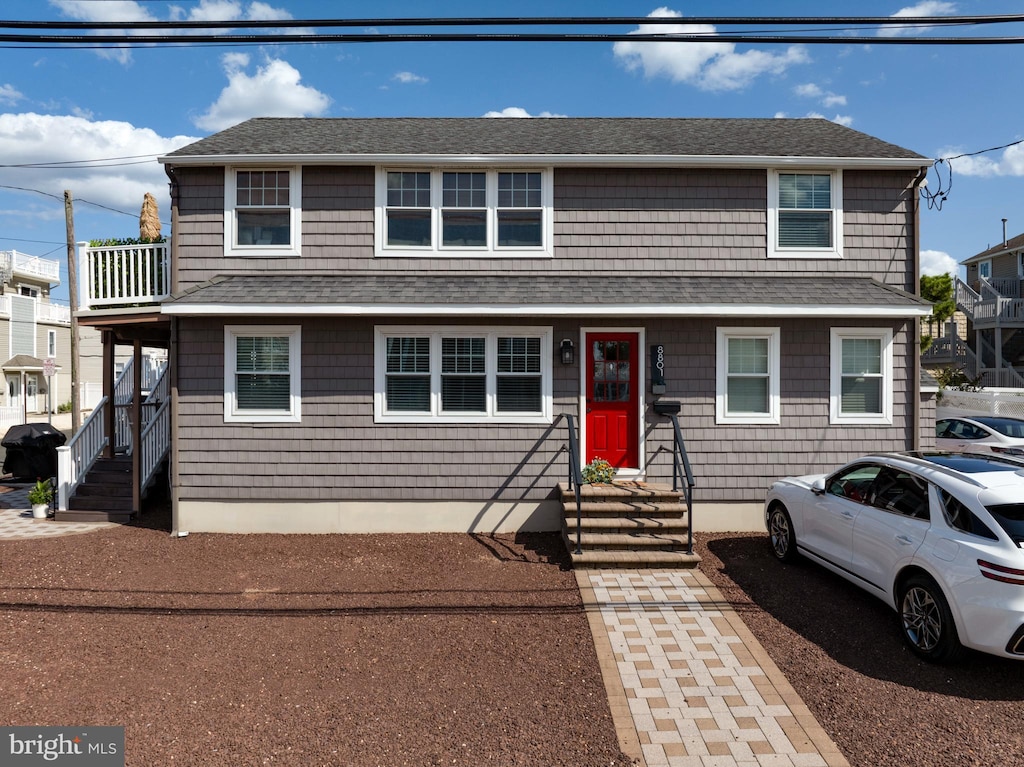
(780, 533)
(927, 622)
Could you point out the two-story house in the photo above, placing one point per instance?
(378, 324)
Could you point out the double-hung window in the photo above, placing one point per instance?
(861, 378)
(263, 211)
(748, 376)
(463, 212)
(805, 214)
(457, 374)
(262, 373)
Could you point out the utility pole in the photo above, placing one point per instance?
(69, 218)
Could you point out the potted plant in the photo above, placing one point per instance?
(40, 496)
(598, 472)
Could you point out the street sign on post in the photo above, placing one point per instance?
(49, 368)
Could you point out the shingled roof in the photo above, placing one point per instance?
(659, 137)
(521, 295)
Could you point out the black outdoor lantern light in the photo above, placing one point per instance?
(568, 357)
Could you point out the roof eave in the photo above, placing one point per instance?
(865, 311)
(604, 160)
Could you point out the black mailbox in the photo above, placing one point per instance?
(668, 407)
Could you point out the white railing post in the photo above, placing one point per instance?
(84, 276)
(64, 478)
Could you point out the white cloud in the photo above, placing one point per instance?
(1010, 163)
(274, 90)
(846, 120)
(408, 77)
(926, 8)
(519, 112)
(9, 94)
(35, 138)
(827, 98)
(935, 262)
(709, 66)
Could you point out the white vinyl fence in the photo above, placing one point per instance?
(1006, 402)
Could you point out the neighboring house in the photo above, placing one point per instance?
(31, 330)
(991, 298)
(377, 324)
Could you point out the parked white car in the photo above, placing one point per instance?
(981, 434)
(937, 536)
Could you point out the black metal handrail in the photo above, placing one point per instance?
(575, 478)
(681, 467)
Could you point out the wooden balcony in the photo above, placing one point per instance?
(113, 276)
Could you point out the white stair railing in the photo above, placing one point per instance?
(76, 457)
(156, 441)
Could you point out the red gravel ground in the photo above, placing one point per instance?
(228, 650)
(841, 650)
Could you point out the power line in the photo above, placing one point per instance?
(77, 200)
(135, 41)
(509, 21)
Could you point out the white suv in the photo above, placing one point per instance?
(937, 536)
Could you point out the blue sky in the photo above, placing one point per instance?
(60, 105)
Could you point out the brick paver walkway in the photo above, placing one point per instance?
(688, 684)
(16, 518)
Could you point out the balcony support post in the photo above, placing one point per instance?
(108, 392)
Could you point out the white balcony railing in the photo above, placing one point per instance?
(33, 267)
(53, 313)
(123, 275)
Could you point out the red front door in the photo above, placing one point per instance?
(613, 427)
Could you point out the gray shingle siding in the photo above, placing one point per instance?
(339, 453)
(679, 221)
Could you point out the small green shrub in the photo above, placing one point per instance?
(42, 492)
(64, 408)
(598, 471)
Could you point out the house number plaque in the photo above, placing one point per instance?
(658, 369)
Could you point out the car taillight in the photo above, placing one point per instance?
(1001, 573)
(1007, 450)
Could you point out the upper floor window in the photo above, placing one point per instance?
(263, 211)
(463, 212)
(26, 290)
(805, 214)
(985, 270)
(51, 343)
(862, 378)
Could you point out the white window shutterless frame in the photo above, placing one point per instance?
(263, 374)
(471, 212)
(748, 370)
(263, 211)
(861, 376)
(805, 213)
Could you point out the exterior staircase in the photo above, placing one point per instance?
(105, 496)
(632, 525)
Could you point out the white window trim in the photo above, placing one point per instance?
(295, 221)
(774, 251)
(294, 412)
(722, 416)
(51, 343)
(835, 388)
(435, 333)
(988, 263)
(382, 249)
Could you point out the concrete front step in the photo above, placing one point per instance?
(635, 560)
(621, 492)
(624, 509)
(629, 541)
(612, 524)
